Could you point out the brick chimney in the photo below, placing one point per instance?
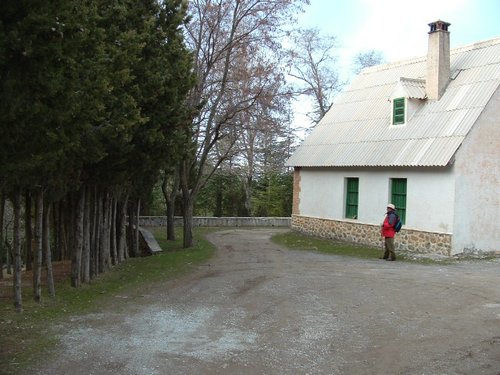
(438, 60)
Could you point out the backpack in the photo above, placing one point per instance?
(398, 224)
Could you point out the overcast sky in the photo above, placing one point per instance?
(397, 28)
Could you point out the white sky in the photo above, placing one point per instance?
(398, 28)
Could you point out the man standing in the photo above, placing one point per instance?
(388, 232)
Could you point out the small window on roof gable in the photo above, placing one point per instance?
(407, 97)
(398, 111)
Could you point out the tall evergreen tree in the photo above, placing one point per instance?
(92, 96)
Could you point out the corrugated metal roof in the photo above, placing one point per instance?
(356, 131)
(414, 88)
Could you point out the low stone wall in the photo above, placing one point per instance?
(407, 240)
(161, 221)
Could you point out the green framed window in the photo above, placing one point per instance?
(352, 193)
(398, 196)
(398, 111)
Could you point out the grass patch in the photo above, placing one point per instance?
(27, 337)
(297, 241)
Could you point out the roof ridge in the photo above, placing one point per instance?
(393, 64)
(412, 60)
(477, 45)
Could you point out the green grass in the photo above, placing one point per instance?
(26, 337)
(297, 241)
(294, 240)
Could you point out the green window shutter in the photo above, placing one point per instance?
(398, 111)
(398, 196)
(352, 193)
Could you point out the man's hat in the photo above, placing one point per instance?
(390, 205)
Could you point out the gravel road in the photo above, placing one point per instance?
(257, 308)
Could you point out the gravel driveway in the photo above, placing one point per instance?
(257, 308)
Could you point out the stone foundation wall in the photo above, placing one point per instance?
(407, 240)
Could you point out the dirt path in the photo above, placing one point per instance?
(259, 309)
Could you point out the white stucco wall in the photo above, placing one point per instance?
(429, 203)
(477, 170)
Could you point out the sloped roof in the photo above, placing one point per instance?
(356, 130)
(414, 88)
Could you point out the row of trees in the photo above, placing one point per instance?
(101, 100)
(92, 107)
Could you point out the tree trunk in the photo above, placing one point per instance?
(28, 232)
(218, 198)
(130, 231)
(187, 220)
(104, 259)
(188, 198)
(63, 235)
(137, 252)
(76, 258)
(37, 270)
(133, 225)
(113, 232)
(100, 239)
(2, 247)
(171, 220)
(122, 228)
(8, 257)
(248, 195)
(107, 229)
(55, 232)
(18, 299)
(66, 212)
(102, 235)
(47, 251)
(94, 247)
(86, 238)
(170, 188)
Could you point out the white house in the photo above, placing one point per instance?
(423, 134)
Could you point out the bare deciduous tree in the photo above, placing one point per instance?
(261, 142)
(225, 36)
(313, 66)
(366, 59)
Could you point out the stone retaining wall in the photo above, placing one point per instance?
(407, 240)
(161, 221)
